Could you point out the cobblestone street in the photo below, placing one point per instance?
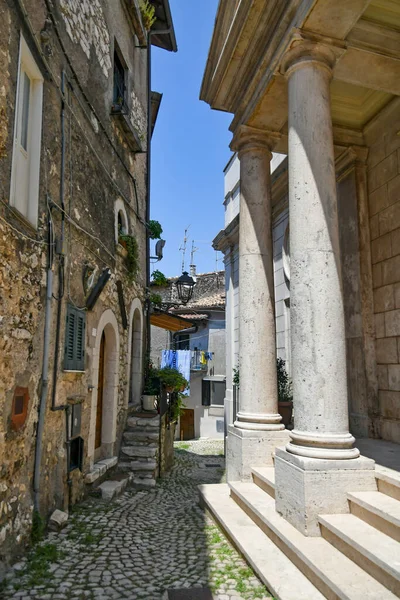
(142, 544)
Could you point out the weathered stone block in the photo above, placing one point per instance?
(108, 462)
(377, 275)
(397, 295)
(382, 374)
(378, 200)
(247, 448)
(389, 402)
(393, 377)
(382, 172)
(386, 351)
(384, 299)
(140, 451)
(396, 243)
(92, 476)
(58, 520)
(381, 248)
(307, 487)
(374, 227)
(389, 219)
(379, 325)
(390, 270)
(392, 323)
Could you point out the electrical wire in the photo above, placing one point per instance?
(38, 242)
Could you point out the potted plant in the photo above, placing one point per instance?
(151, 388)
(155, 230)
(172, 379)
(158, 278)
(285, 395)
(132, 259)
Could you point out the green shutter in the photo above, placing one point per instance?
(206, 392)
(74, 356)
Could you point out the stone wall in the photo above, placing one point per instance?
(100, 171)
(384, 212)
(167, 445)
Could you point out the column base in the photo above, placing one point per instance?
(259, 422)
(308, 487)
(250, 448)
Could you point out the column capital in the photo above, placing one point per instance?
(303, 52)
(246, 139)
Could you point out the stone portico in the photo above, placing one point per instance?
(318, 81)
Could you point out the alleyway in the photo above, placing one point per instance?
(142, 544)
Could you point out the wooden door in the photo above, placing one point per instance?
(187, 424)
(100, 390)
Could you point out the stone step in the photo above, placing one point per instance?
(335, 575)
(388, 481)
(142, 483)
(370, 549)
(377, 509)
(111, 489)
(137, 465)
(139, 451)
(100, 468)
(140, 436)
(264, 477)
(284, 580)
(148, 423)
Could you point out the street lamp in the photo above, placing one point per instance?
(185, 285)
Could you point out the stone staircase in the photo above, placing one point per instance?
(140, 449)
(357, 556)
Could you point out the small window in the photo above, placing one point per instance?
(122, 228)
(19, 408)
(213, 392)
(119, 89)
(76, 454)
(74, 357)
(183, 341)
(24, 189)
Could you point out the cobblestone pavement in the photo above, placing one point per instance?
(141, 544)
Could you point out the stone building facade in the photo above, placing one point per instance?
(318, 81)
(73, 150)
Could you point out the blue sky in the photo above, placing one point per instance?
(190, 143)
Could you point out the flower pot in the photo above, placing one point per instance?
(285, 409)
(148, 402)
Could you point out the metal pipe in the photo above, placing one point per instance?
(45, 385)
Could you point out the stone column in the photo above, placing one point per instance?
(258, 429)
(321, 440)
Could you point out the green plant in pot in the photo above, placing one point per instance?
(155, 230)
(172, 379)
(285, 394)
(151, 388)
(132, 258)
(158, 278)
(177, 406)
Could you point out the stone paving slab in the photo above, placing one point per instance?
(141, 544)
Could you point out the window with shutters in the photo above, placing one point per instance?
(74, 358)
(213, 391)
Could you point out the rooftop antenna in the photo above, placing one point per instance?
(192, 265)
(183, 248)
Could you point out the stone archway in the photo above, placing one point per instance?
(109, 326)
(135, 354)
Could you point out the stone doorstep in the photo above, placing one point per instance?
(110, 489)
(100, 468)
(139, 451)
(137, 465)
(143, 483)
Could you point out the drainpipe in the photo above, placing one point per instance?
(48, 317)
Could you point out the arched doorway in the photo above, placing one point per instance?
(103, 423)
(135, 354)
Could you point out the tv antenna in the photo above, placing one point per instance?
(183, 248)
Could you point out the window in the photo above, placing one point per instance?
(183, 341)
(74, 357)
(76, 454)
(121, 219)
(213, 392)
(119, 89)
(19, 408)
(24, 189)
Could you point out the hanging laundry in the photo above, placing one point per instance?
(183, 363)
(203, 360)
(209, 355)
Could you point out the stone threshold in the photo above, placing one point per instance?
(100, 468)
